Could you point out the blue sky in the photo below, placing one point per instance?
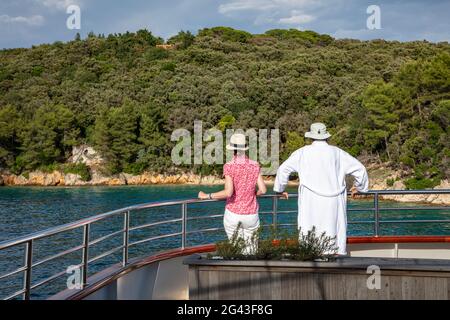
(28, 22)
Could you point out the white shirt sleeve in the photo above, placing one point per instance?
(353, 167)
(292, 164)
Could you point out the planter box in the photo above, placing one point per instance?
(344, 278)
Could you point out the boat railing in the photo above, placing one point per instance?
(183, 219)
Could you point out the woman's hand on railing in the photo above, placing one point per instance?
(283, 195)
(203, 196)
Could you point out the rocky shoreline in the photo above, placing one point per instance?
(437, 199)
(57, 178)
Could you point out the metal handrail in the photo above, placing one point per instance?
(29, 240)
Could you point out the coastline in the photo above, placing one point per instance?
(59, 179)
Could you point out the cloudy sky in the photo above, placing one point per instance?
(27, 22)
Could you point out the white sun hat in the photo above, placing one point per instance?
(318, 131)
(237, 142)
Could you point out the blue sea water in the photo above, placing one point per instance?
(24, 210)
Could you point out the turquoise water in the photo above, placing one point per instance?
(28, 209)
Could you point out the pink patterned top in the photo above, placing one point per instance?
(244, 173)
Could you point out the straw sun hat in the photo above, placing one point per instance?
(237, 142)
(318, 131)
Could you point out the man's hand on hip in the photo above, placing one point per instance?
(353, 191)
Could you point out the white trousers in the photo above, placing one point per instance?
(249, 225)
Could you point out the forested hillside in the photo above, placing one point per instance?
(385, 101)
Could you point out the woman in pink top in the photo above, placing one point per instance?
(242, 175)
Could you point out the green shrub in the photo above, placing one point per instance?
(49, 168)
(169, 66)
(206, 170)
(226, 34)
(78, 168)
(4, 74)
(37, 71)
(208, 57)
(85, 76)
(232, 248)
(425, 177)
(226, 122)
(312, 246)
(19, 165)
(182, 40)
(390, 182)
(156, 54)
(296, 246)
(421, 183)
(135, 168)
(307, 35)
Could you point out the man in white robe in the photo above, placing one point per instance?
(322, 200)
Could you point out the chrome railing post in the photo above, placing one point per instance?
(274, 211)
(377, 215)
(29, 266)
(85, 258)
(126, 234)
(183, 224)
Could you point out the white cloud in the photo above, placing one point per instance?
(263, 5)
(243, 5)
(57, 4)
(287, 12)
(297, 18)
(262, 20)
(297, 3)
(36, 20)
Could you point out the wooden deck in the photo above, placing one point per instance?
(346, 278)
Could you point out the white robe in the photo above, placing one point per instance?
(322, 200)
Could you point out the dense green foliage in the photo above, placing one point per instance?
(78, 168)
(387, 101)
